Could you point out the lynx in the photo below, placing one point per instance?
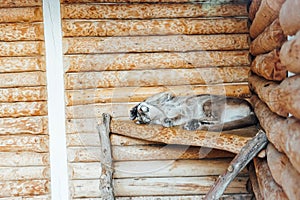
(199, 112)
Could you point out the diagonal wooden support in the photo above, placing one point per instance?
(106, 185)
(247, 153)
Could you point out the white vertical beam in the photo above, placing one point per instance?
(56, 102)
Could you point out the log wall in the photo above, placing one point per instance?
(117, 53)
(24, 148)
(276, 99)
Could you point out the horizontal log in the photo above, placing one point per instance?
(28, 79)
(289, 17)
(39, 197)
(32, 143)
(176, 135)
(185, 197)
(150, 1)
(23, 94)
(281, 98)
(83, 154)
(21, 31)
(268, 11)
(137, 94)
(120, 140)
(148, 11)
(27, 125)
(289, 54)
(254, 6)
(24, 48)
(81, 125)
(23, 109)
(79, 28)
(24, 188)
(149, 44)
(173, 186)
(85, 188)
(270, 39)
(283, 133)
(83, 139)
(137, 61)
(268, 187)
(283, 172)
(23, 159)
(269, 66)
(23, 3)
(22, 64)
(23, 14)
(160, 77)
(24, 173)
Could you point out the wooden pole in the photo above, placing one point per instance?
(254, 182)
(106, 186)
(289, 17)
(247, 153)
(254, 8)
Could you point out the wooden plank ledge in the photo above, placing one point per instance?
(175, 135)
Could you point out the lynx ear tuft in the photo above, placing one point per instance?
(133, 113)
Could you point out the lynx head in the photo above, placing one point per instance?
(150, 111)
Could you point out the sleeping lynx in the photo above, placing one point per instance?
(204, 112)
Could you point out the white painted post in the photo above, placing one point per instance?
(56, 101)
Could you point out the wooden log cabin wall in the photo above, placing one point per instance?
(275, 32)
(24, 152)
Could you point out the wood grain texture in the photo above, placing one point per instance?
(81, 125)
(268, 187)
(282, 132)
(254, 6)
(271, 38)
(23, 94)
(185, 197)
(254, 183)
(281, 98)
(167, 60)
(269, 66)
(176, 135)
(12, 80)
(21, 14)
(173, 186)
(23, 109)
(79, 28)
(150, 1)
(289, 17)
(150, 44)
(137, 94)
(83, 139)
(289, 54)
(24, 48)
(23, 159)
(39, 197)
(83, 154)
(22, 64)
(19, 143)
(23, 3)
(160, 77)
(268, 11)
(148, 11)
(21, 31)
(24, 188)
(283, 172)
(24, 173)
(27, 125)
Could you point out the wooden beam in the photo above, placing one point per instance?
(185, 197)
(79, 28)
(159, 77)
(281, 98)
(271, 38)
(23, 159)
(283, 172)
(283, 133)
(28, 79)
(289, 54)
(24, 94)
(24, 173)
(167, 60)
(151, 1)
(269, 66)
(21, 31)
(289, 17)
(24, 3)
(23, 109)
(22, 64)
(149, 44)
(148, 11)
(268, 11)
(177, 135)
(22, 48)
(268, 187)
(138, 94)
(254, 6)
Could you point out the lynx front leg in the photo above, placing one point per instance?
(192, 125)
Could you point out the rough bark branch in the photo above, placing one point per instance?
(254, 182)
(254, 8)
(247, 153)
(106, 186)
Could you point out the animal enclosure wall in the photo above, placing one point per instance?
(24, 152)
(117, 53)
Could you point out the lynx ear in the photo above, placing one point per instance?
(133, 112)
(160, 98)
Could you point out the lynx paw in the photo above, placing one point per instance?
(192, 125)
(167, 122)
